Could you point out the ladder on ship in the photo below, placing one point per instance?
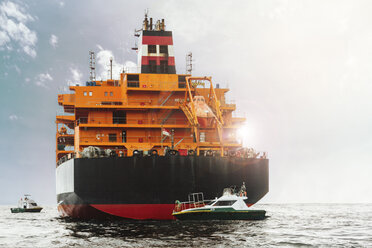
(191, 118)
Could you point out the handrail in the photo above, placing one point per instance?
(134, 121)
(122, 152)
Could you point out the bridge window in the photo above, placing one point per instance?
(133, 80)
(224, 203)
(132, 77)
(85, 93)
(151, 49)
(112, 137)
(119, 117)
(181, 81)
(164, 49)
(90, 93)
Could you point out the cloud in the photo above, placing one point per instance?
(13, 29)
(61, 4)
(53, 41)
(15, 11)
(13, 117)
(76, 76)
(103, 62)
(42, 79)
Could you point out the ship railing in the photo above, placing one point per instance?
(192, 203)
(239, 114)
(131, 69)
(228, 103)
(154, 102)
(142, 102)
(120, 137)
(66, 158)
(131, 121)
(196, 200)
(68, 131)
(123, 138)
(66, 98)
(115, 138)
(187, 205)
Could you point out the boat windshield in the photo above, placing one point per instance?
(33, 204)
(224, 203)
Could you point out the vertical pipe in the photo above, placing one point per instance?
(111, 68)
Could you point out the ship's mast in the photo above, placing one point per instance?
(189, 63)
(92, 66)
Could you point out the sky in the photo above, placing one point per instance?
(300, 71)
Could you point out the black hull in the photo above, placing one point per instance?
(153, 183)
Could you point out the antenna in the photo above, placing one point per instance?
(92, 66)
(111, 68)
(146, 21)
(189, 63)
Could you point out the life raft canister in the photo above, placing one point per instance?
(153, 152)
(136, 153)
(190, 152)
(173, 152)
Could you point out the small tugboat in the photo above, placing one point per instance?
(230, 206)
(26, 205)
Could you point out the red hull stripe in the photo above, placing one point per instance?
(145, 60)
(157, 40)
(131, 211)
(138, 211)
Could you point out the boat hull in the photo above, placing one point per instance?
(25, 210)
(147, 187)
(222, 215)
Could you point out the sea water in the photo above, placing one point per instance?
(288, 225)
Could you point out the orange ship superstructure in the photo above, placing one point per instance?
(154, 112)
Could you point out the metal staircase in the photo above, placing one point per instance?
(167, 116)
(165, 99)
(191, 118)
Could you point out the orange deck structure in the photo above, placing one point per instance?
(129, 114)
(134, 112)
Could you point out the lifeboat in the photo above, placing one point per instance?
(203, 112)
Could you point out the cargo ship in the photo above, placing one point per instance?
(129, 147)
